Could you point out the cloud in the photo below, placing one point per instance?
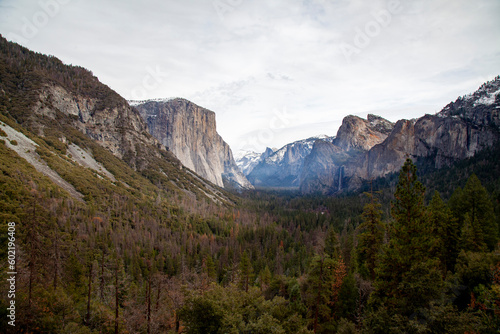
(246, 59)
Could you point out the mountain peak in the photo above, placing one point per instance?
(358, 133)
(481, 107)
(189, 131)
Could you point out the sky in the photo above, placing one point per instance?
(273, 71)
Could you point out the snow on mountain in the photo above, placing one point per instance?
(247, 160)
(304, 146)
(135, 103)
(282, 167)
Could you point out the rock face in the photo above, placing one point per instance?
(283, 168)
(362, 134)
(318, 163)
(460, 130)
(116, 126)
(325, 169)
(322, 168)
(189, 132)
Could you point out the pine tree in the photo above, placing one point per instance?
(445, 231)
(246, 271)
(472, 237)
(265, 278)
(408, 276)
(370, 238)
(325, 279)
(320, 282)
(475, 202)
(332, 244)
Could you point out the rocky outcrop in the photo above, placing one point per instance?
(460, 130)
(55, 102)
(189, 132)
(317, 164)
(322, 168)
(328, 167)
(363, 134)
(115, 126)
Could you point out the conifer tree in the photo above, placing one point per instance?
(265, 278)
(332, 245)
(319, 287)
(476, 203)
(472, 237)
(445, 231)
(246, 271)
(370, 238)
(408, 277)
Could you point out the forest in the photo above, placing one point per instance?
(395, 260)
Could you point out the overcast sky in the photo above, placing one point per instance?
(274, 71)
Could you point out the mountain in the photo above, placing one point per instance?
(458, 131)
(189, 132)
(70, 124)
(247, 160)
(358, 133)
(326, 166)
(283, 167)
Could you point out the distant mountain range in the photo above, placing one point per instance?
(174, 141)
(372, 148)
(279, 168)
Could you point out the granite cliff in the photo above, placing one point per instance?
(189, 132)
(326, 167)
(458, 131)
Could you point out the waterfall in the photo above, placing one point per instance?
(341, 172)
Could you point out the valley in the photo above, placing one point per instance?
(135, 217)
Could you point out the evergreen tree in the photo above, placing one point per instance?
(472, 237)
(265, 278)
(332, 245)
(408, 277)
(325, 279)
(475, 202)
(246, 271)
(320, 282)
(445, 231)
(370, 238)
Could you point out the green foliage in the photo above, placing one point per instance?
(202, 316)
(445, 231)
(476, 210)
(371, 233)
(325, 282)
(231, 310)
(408, 277)
(246, 271)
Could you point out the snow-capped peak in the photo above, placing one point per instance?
(247, 160)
